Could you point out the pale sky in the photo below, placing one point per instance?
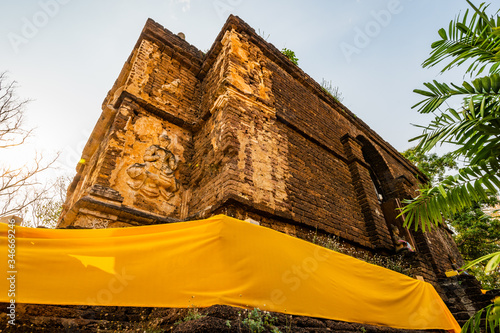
(66, 54)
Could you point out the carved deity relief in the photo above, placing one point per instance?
(155, 177)
(173, 88)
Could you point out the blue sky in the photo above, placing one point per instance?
(66, 54)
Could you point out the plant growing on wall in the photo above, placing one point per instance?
(290, 55)
(328, 87)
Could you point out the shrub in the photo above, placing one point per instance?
(290, 55)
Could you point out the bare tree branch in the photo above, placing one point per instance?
(46, 208)
(12, 115)
(20, 187)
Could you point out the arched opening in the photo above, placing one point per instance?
(383, 182)
(379, 171)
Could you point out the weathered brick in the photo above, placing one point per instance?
(253, 136)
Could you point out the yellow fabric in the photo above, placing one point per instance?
(450, 273)
(219, 260)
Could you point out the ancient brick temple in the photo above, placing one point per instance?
(243, 131)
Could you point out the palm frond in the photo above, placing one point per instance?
(475, 130)
(493, 262)
(452, 195)
(467, 39)
(491, 316)
(438, 93)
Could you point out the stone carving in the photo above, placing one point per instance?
(173, 87)
(399, 241)
(100, 224)
(155, 177)
(92, 222)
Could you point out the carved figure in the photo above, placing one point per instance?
(400, 243)
(155, 177)
(172, 87)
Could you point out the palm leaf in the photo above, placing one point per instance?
(473, 325)
(450, 196)
(494, 260)
(474, 131)
(468, 39)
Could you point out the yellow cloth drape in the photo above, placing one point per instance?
(219, 260)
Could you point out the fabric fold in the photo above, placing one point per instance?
(219, 260)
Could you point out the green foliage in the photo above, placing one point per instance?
(474, 40)
(290, 55)
(474, 130)
(477, 234)
(193, 314)
(257, 321)
(489, 280)
(489, 315)
(491, 265)
(431, 165)
(328, 87)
